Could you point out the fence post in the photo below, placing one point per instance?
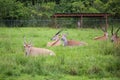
(106, 21)
(81, 21)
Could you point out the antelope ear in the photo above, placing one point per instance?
(24, 45)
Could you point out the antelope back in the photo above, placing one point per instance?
(103, 37)
(71, 42)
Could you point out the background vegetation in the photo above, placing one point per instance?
(23, 13)
(97, 61)
(39, 9)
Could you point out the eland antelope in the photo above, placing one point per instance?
(104, 37)
(115, 37)
(34, 51)
(71, 42)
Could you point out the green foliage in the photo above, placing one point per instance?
(110, 49)
(99, 5)
(113, 7)
(43, 9)
(78, 7)
(10, 9)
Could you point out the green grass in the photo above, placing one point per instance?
(97, 61)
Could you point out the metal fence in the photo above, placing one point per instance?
(24, 23)
(62, 22)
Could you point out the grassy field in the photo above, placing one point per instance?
(97, 61)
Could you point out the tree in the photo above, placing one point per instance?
(113, 7)
(99, 6)
(10, 9)
(78, 7)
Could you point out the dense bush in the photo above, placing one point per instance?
(12, 10)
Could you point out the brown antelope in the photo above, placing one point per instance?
(56, 40)
(34, 51)
(71, 42)
(115, 37)
(104, 37)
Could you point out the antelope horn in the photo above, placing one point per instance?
(59, 32)
(24, 39)
(30, 41)
(104, 30)
(112, 30)
(117, 30)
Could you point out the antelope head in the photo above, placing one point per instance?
(27, 46)
(114, 37)
(104, 37)
(64, 39)
(105, 32)
(57, 35)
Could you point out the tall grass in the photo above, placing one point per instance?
(99, 60)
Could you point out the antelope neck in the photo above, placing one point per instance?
(106, 35)
(65, 42)
(30, 50)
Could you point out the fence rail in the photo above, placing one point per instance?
(69, 23)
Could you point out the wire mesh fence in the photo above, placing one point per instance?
(62, 22)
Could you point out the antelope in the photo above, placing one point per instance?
(34, 51)
(71, 42)
(104, 37)
(56, 40)
(115, 37)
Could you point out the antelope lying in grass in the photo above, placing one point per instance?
(115, 37)
(56, 40)
(104, 37)
(71, 42)
(34, 51)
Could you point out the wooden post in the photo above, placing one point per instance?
(78, 23)
(81, 21)
(55, 22)
(106, 21)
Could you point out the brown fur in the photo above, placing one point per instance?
(102, 38)
(75, 43)
(71, 42)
